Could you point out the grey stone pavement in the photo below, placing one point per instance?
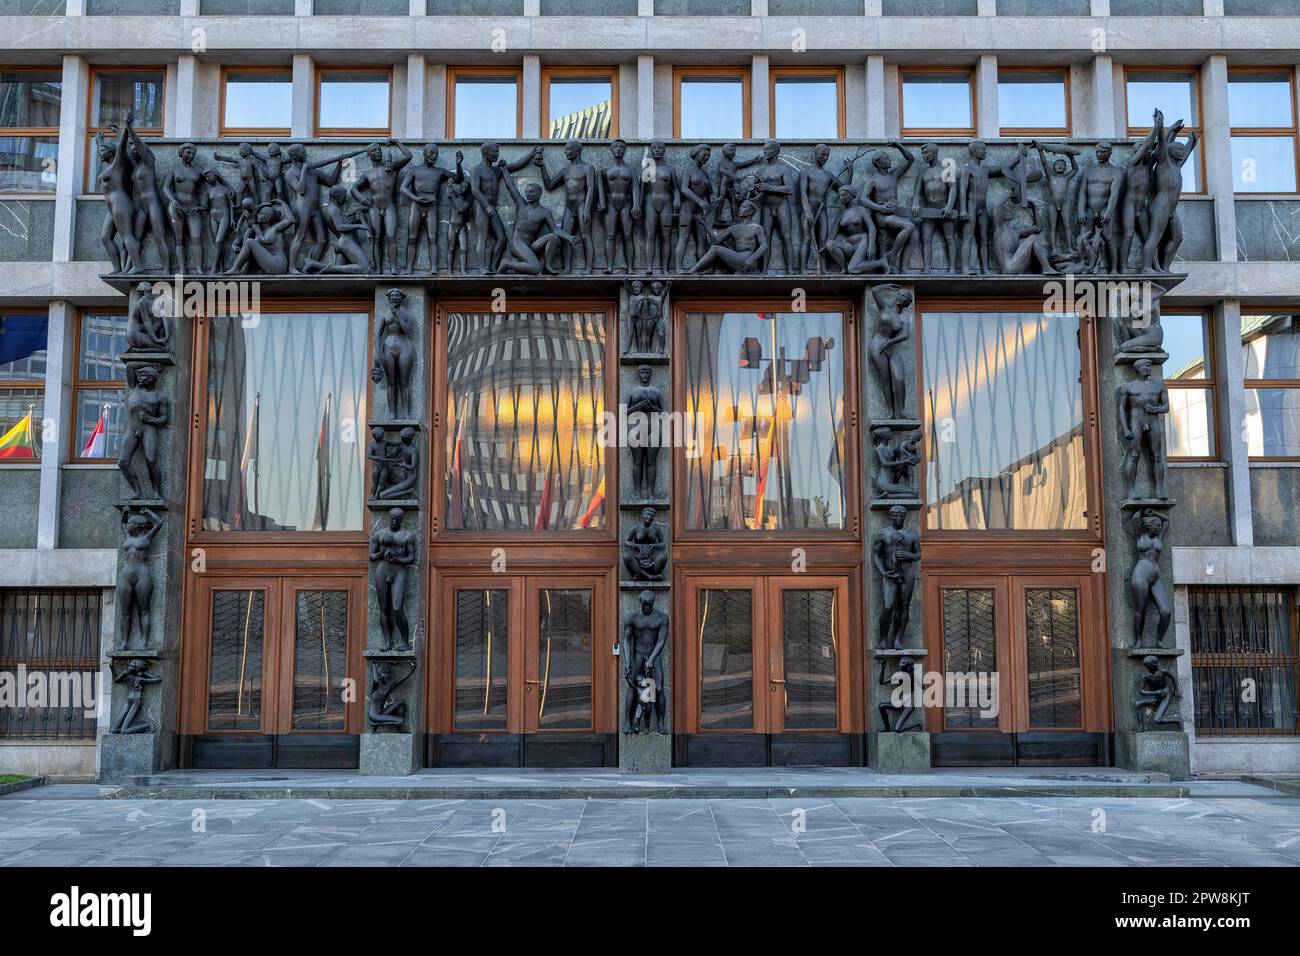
(1229, 824)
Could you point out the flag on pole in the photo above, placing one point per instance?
(323, 470)
(766, 454)
(17, 442)
(596, 501)
(96, 445)
(544, 506)
(249, 454)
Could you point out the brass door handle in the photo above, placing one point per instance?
(776, 681)
(530, 683)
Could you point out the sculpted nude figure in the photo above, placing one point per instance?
(376, 191)
(697, 200)
(118, 233)
(148, 210)
(582, 191)
(1141, 404)
(535, 233)
(1058, 177)
(620, 200)
(304, 181)
(880, 195)
(776, 189)
(1165, 232)
(816, 187)
(661, 197)
(485, 186)
(422, 186)
(1099, 191)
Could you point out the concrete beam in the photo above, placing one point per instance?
(987, 121)
(645, 96)
(760, 114)
(71, 170)
(60, 568)
(876, 97)
(1216, 153)
(304, 97)
(1265, 566)
(186, 93)
(532, 117)
(416, 86)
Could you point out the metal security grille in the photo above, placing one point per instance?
(1052, 657)
(235, 665)
(49, 643)
(320, 660)
(970, 645)
(1243, 660)
(482, 658)
(809, 635)
(726, 659)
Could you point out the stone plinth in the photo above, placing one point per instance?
(1154, 751)
(391, 755)
(644, 753)
(123, 757)
(906, 752)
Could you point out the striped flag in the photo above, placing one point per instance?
(597, 500)
(17, 442)
(97, 444)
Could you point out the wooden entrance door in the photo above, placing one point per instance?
(766, 667)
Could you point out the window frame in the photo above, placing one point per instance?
(77, 385)
(144, 132)
(1206, 661)
(35, 132)
(256, 131)
(550, 73)
(1193, 74)
(15, 384)
(907, 132)
(835, 73)
(456, 73)
(1064, 73)
(441, 536)
(240, 541)
(689, 73)
(322, 73)
(854, 496)
(1210, 382)
(1247, 384)
(1292, 131)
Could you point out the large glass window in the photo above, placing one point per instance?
(353, 101)
(1243, 660)
(115, 94)
(765, 399)
(579, 102)
(286, 415)
(1270, 354)
(100, 378)
(1261, 109)
(1175, 93)
(1189, 378)
(257, 101)
(711, 103)
(807, 103)
(1003, 409)
(485, 104)
(22, 385)
(29, 130)
(1033, 101)
(525, 406)
(937, 101)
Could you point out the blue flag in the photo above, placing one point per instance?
(22, 335)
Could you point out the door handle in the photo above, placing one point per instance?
(776, 681)
(530, 684)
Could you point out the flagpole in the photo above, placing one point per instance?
(31, 417)
(257, 452)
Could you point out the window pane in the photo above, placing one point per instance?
(353, 101)
(1263, 164)
(482, 659)
(28, 164)
(29, 99)
(260, 100)
(487, 108)
(99, 423)
(970, 647)
(726, 659)
(1003, 388)
(1052, 657)
(320, 660)
(103, 339)
(937, 101)
(1189, 426)
(22, 411)
(1273, 422)
(22, 347)
(806, 107)
(1260, 100)
(525, 400)
(1185, 342)
(579, 108)
(235, 661)
(282, 395)
(564, 659)
(117, 94)
(765, 398)
(1270, 346)
(1174, 94)
(809, 634)
(712, 107)
(1029, 101)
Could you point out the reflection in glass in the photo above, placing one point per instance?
(970, 647)
(25, 406)
(119, 93)
(100, 417)
(320, 660)
(24, 337)
(1270, 351)
(1052, 657)
(1185, 341)
(1004, 416)
(29, 99)
(712, 107)
(1031, 101)
(1260, 101)
(1241, 634)
(525, 400)
(726, 659)
(482, 659)
(487, 107)
(578, 108)
(937, 101)
(235, 660)
(22, 407)
(1174, 94)
(1263, 164)
(1273, 422)
(765, 404)
(563, 659)
(259, 100)
(28, 164)
(1270, 347)
(282, 396)
(353, 101)
(806, 107)
(809, 634)
(1189, 426)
